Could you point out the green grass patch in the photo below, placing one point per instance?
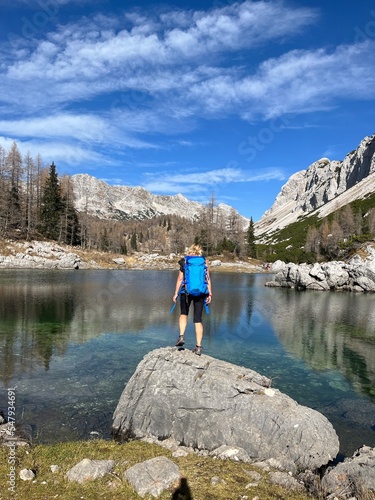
(198, 470)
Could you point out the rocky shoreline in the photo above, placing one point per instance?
(50, 255)
(356, 275)
(229, 412)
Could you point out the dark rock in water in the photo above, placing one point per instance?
(204, 403)
(357, 417)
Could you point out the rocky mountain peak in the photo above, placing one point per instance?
(97, 198)
(325, 186)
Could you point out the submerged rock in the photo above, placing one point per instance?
(204, 403)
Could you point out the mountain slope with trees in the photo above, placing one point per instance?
(35, 204)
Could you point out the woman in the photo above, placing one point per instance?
(186, 300)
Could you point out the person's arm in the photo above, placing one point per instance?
(180, 277)
(209, 287)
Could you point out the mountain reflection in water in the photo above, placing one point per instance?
(70, 340)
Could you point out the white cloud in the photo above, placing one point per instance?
(68, 154)
(70, 129)
(196, 182)
(79, 127)
(89, 52)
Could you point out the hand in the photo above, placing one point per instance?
(175, 297)
(208, 299)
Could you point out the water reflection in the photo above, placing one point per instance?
(42, 312)
(70, 340)
(330, 331)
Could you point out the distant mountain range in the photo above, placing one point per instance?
(99, 199)
(324, 187)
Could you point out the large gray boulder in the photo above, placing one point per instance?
(205, 403)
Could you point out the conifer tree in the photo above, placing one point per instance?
(104, 241)
(52, 206)
(71, 230)
(72, 234)
(250, 240)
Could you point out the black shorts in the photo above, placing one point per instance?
(198, 303)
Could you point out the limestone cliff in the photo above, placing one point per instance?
(324, 187)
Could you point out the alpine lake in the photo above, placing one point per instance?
(70, 340)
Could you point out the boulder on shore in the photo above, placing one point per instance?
(356, 275)
(352, 476)
(204, 403)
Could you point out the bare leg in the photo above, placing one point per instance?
(198, 333)
(183, 323)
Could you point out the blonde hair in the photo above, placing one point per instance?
(195, 250)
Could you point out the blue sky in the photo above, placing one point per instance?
(201, 98)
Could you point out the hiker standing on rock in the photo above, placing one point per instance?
(193, 285)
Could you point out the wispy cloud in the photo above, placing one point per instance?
(203, 181)
(154, 55)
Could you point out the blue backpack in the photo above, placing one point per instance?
(195, 275)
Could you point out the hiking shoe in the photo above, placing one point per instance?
(197, 350)
(180, 341)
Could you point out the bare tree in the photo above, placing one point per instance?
(235, 231)
(30, 196)
(312, 240)
(337, 236)
(3, 190)
(371, 221)
(324, 233)
(347, 222)
(13, 172)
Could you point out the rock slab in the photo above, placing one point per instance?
(88, 470)
(353, 475)
(153, 476)
(205, 403)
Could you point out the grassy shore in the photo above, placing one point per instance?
(48, 485)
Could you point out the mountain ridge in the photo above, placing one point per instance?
(97, 198)
(324, 187)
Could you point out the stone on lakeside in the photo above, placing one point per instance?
(354, 474)
(88, 470)
(153, 476)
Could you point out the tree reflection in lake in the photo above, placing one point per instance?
(330, 331)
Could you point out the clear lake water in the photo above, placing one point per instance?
(70, 340)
